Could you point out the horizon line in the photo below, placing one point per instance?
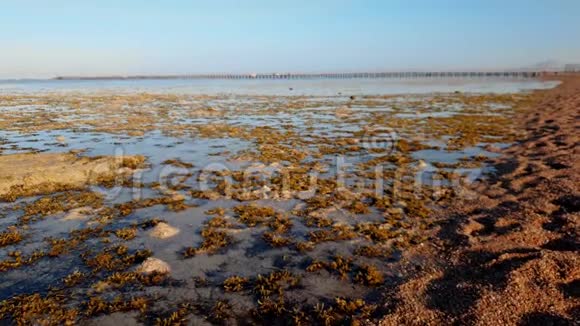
(297, 74)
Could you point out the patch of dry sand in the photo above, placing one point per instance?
(37, 173)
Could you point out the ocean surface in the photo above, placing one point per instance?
(312, 87)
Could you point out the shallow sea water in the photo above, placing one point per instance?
(319, 87)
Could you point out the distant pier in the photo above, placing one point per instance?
(351, 75)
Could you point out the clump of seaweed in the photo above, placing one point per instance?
(177, 317)
(280, 224)
(416, 208)
(127, 233)
(235, 283)
(61, 203)
(276, 240)
(46, 188)
(275, 283)
(205, 194)
(10, 236)
(375, 231)
(178, 205)
(115, 258)
(178, 163)
(354, 309)
(218, 222)
(252, 215)
(339, 264)
(133, 162)
(299, 317)
(358, 207)
(16, 260)
(73, 278)
(37, 309)
(268, 308)
(213, 240)
(220, 311)
(77, 237)
(337, 232)
(315, 266)
(325, 315)
(317, 220)
(369, 275)
(97, 305)
(349, 306)
(303, 246)
(175, 203)
(119, 280)
(220, 211)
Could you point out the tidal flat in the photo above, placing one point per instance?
(173, 208)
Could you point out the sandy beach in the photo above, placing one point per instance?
(510, 256)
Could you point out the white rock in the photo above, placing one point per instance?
(163, 231)
(76, 214)
(60, 139)
(421, 164)
(154, 265)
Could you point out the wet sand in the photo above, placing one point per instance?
(511, 255)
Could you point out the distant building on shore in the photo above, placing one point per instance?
(572, 67)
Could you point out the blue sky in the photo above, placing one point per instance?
(42, 38)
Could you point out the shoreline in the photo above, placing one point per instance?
(510, 256)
